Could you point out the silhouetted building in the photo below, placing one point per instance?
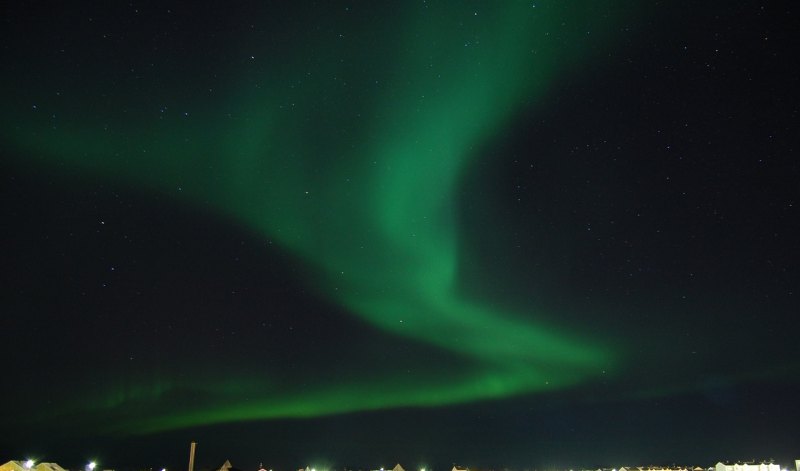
(747, 467)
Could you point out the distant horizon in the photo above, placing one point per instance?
(448, 468)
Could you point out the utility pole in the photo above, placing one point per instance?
(191, 455)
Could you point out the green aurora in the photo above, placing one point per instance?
(348, 153)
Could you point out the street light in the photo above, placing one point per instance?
(29, 464)
(92, 465)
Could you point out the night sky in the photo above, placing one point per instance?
(520, 234)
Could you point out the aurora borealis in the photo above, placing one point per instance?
(269, 214)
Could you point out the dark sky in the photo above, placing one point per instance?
(350, 234)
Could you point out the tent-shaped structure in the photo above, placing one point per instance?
(48, 467)
(14, 466)
(227, 466)
(20, 465)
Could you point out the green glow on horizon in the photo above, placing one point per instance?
(365, 195)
